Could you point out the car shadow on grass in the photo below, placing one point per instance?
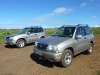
(14, 46)
(45, 63)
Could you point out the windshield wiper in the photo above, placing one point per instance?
(52, 35)
(60, 35)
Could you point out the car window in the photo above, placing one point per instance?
(80, 31)
(60, 31)
(39, 30)
(23, 31)
(64, 32)
(88, 30)
(32, 30)
(69, 31)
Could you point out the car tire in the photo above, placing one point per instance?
(66, 58)
(20, 43)
(90, 49)
(42, 37)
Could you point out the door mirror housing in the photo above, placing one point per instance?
(79, 37)
(28, 33)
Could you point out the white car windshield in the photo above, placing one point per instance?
(64, 32)
(23, 31)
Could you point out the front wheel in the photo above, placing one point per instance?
(20, 43)
(66, 58)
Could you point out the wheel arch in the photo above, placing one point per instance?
(22, 39)
(70, 48)
(42, 36)
(92, 42)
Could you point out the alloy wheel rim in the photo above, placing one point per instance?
(68, 58)
(90, 49)
(21, 44)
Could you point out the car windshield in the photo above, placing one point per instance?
(64, 32)
(23, 31)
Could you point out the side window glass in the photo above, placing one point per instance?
(39, 30)
(32, 30)
(69, 31)
(88, 30)
(80, 31)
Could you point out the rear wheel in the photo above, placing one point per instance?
(66, 58)
(42, 37)
(90, 49)
(20, 43)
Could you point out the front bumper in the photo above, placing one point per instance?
(54, 57)
(10, 42)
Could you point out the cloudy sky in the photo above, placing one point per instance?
(48, 13)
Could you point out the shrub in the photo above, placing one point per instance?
(5, 32)
(98, 72)
(96, 30)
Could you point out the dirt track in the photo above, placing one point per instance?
(15, 61)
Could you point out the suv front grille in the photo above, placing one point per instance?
(42, 46)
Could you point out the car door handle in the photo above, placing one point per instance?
(84, 37)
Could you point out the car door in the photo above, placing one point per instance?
(31, 35)
(89, 35)
(38, 33)
(80, 44)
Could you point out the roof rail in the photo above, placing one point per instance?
(66, 25)
(63, 25)
(36, 26)
(82, 25)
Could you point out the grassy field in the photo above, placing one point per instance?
(5, 32)
(49, 31)
(96, 30)
(98, 72)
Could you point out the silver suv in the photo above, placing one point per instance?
(25, 35)
(64, 43)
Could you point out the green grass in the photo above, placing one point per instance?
(96, 30)
(98, 72)
(5, 32)
(49, 31)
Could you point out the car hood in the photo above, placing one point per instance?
(53, 40)
(12, 35)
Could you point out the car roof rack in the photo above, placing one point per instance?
(75, 25)
(66, 25)
(35, 26)
(63, 25)
(82, 25)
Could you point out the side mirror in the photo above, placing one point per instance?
(28, 33)
(79, 37)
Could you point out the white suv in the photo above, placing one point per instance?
(25, 35)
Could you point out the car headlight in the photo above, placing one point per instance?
(36, 43)
(52, 48)
(11, 38)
